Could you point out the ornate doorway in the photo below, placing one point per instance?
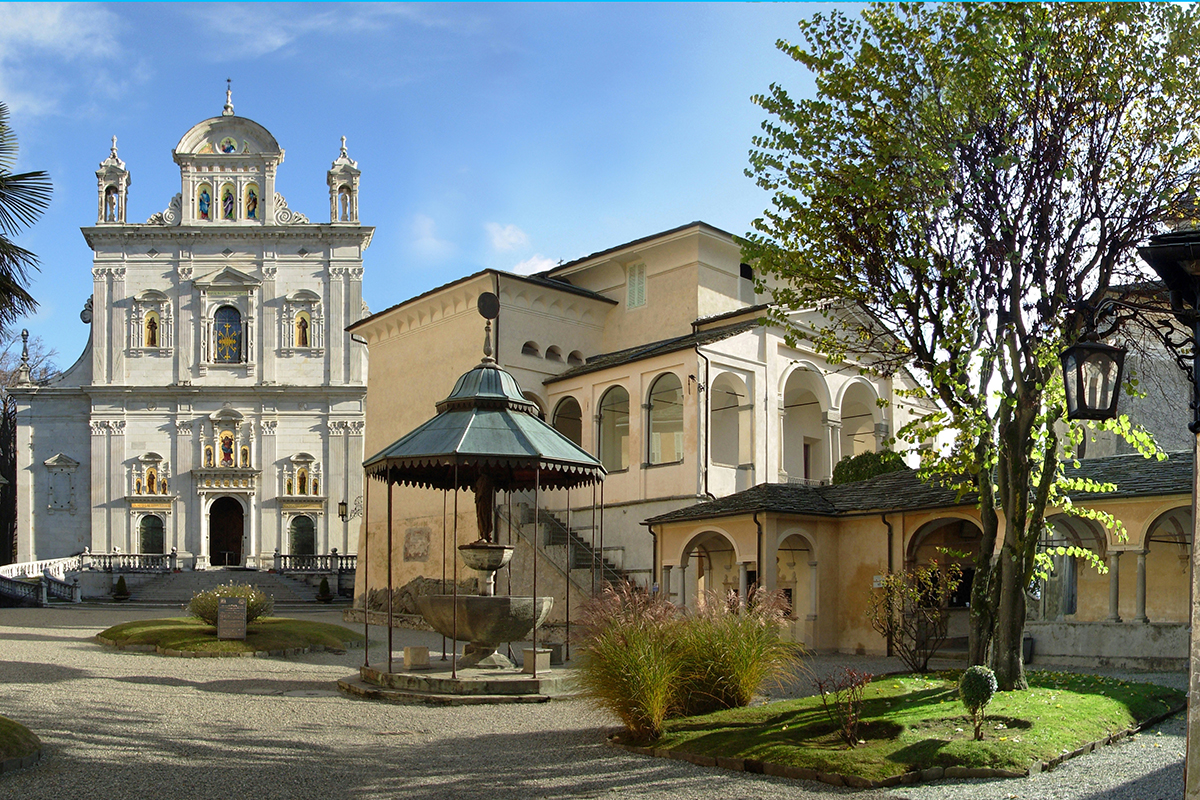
(225, 530)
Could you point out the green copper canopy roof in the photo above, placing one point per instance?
(485, 427)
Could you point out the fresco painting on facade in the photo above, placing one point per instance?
(185, 359)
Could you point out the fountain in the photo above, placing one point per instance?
(486, 437)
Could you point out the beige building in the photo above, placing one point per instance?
(651, 355)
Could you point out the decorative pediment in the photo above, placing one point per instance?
(226, 415)
(61, 461)
(304, 296)
(302, 458)
(151, 296)
(150, 458)
(227, 277)
(228, 136)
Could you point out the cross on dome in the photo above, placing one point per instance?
(228, 110)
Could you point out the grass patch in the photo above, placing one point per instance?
(268, 633)
(913, 722)
(16, 741)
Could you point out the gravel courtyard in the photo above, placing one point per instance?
(124, 725)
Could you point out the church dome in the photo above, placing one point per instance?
(228, 135)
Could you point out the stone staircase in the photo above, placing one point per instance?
(177, 588)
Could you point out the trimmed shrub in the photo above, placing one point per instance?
(976, 688)
(323, 592)
(204, 604)
(867, 465)
(121, 590)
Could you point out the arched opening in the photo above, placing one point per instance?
(575, 358)
(530, 349)
(732, 417)
(568, 420)
(303, 535)
(805, 451)
(553, 353)
(666, 420)
(796, 578)
(150, 535)
(708, 569)
(859, 415)
(1070, 589)
(1168, 569)
(227, 335)
(614, 429)
(344, 203)
(204, 201)
(949, 540)
(225, 532)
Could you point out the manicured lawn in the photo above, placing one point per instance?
(269, 633)
(913, 722)
(16, 741)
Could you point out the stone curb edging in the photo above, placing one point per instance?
(25, 762)
(165, 651)
(908, 778)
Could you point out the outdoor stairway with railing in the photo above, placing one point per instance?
(581, 553)
(177, 588)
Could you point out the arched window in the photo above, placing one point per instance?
(575, 359)
(553, 353)
(204, 202)
(530, 349)
(666, 420)
(568, 420)
(614, 429)
(227, 335)
(304, 537)
(150, 534)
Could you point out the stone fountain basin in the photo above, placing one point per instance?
(485, 556)
(485, 620)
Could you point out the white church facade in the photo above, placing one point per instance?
(217, 410)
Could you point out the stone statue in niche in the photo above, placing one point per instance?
(344, 197)
(302, 333)
(245, 456)
(226, 449)
(208, 457)
(110, 204)
(152, 332)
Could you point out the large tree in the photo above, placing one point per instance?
(963, 177)
(23, 198)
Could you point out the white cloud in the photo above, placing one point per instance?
(37, 39)
(537, 263)
(506, 237)
(425, 240)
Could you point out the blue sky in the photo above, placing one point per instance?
(489, 135)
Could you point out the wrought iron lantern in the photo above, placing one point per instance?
(1092, 374)
(342, 511)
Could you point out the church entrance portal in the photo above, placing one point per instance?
(225, 528)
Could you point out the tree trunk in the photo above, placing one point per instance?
(1007, 661)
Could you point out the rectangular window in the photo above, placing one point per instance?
(636, 280)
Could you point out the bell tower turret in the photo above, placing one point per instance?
(112, 182)
(343, 188)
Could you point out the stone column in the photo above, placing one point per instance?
(743, 583)
(1114, 587)
(881, 435)
(833, 443)
(683, 576)
(812, 590)
(1139, 614)
(665, 588)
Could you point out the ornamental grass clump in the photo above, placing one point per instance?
(730, 652)
(630, 663)
(976, 688)
(204, 604)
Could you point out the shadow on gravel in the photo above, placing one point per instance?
(39, 637)
(255, 686)
(25, 672)
(1165, 783)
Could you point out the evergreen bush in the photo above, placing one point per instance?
(976, 688)
(121, 590)
(323, 593)
(204, 604)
